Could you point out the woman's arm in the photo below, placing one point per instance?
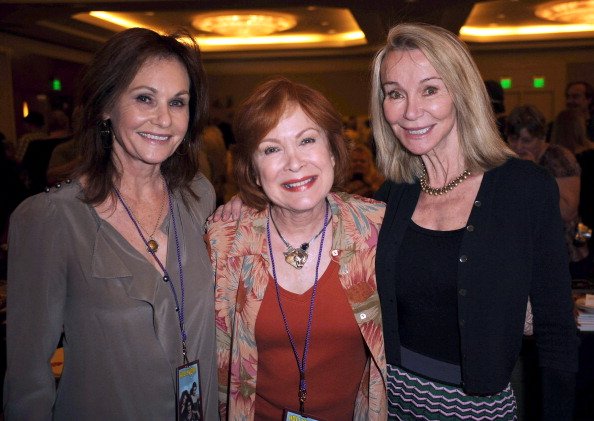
(218, 244)
(569, 191)
(36, 300)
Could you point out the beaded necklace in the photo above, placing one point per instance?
(441, 190)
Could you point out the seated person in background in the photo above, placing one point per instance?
(34, 123)
(350, 129)
(365, 179)
(569, 131)
(230, 186)
(12, 192)
(63, 158)
(58, 125)
(214, 147)
(35, 163)
(526, 131)
(497, 98)
(62, 162)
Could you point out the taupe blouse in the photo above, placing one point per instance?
(70, 271)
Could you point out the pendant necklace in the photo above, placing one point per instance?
(179, 309)
(297, 256)
(151, 244)
(301, 362)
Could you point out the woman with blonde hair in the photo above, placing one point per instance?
(464, 243)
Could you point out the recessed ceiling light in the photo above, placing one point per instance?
(567, 11)
(244, 24)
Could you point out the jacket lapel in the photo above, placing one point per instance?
(401, 203)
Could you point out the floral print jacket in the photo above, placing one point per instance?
(239, 254)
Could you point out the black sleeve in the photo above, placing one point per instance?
(550, 294)
(383, 193)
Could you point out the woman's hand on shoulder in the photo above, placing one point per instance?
(230, 211)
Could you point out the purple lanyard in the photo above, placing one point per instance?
(178, 309)
(301, 363)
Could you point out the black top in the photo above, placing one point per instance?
(512, 248)
(426, 292)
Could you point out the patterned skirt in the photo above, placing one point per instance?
(411, 397)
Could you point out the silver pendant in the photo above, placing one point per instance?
(296, 257)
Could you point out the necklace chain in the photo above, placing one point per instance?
(297, 257)
(152, 244)
(425, 187)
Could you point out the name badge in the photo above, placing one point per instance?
(189, 394)
(296, 416)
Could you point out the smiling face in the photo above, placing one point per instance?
(293, 162)
(417, 104)
(575, 97)
(150, 118)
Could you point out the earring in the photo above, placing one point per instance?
(105, 128)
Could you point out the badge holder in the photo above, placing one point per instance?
(189, 393)
(296, 416)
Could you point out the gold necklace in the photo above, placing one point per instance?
(441, 190)
(297, 257)
(152, 244)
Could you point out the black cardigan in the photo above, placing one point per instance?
(512, 248)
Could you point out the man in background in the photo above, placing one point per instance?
(578, 95)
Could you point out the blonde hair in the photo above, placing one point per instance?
(480, 142)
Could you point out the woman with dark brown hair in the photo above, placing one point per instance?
(114, 260)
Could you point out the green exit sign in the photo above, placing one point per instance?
(56, 84)
(538, 82)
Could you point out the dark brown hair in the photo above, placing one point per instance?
(262, 111)
(526, 117)
(111, 71)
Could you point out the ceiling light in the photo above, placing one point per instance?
(567, 11)
(244, 24)
(347, 32)
(502, 31)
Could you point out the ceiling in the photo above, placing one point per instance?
(53, 22)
